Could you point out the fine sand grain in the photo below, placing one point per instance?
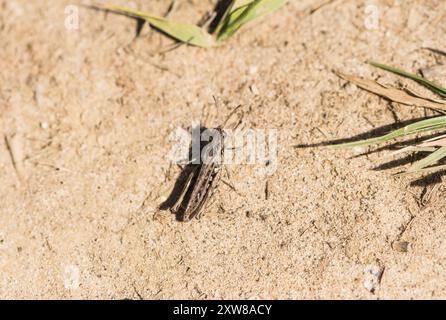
(86, 115)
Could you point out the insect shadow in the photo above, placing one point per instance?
(177, 192)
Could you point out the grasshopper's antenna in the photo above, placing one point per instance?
(232, 113)
(217, 105)
(205, 114)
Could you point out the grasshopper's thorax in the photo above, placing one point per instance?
(212, 149)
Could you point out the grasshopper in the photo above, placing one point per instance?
(202, 178)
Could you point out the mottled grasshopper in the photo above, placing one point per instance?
(203, 177)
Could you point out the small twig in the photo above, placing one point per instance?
(319, 6)
(266, 190)
(12, 150)
(171, 8)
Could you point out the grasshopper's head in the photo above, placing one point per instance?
(213, 146)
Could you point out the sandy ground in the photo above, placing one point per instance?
(86, 116)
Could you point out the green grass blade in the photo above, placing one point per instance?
(427, 83)
(183, 32)
(246, 13)
(225, 18)
(237, 19)
(428, 161)
(417, 127)
(426, 170)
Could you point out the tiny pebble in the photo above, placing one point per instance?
(400, 246)
(350, 88)
(254, 90)
(372, 277)
(71, 277)
(252, 70)
(358, 150)
(271, 94)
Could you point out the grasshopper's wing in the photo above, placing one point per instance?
(185, 187)
(213, 185)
